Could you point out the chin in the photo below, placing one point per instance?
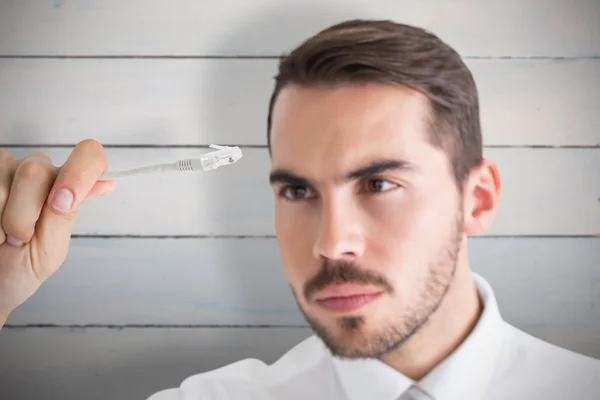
(354, 336)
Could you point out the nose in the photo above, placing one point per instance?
(340, 235)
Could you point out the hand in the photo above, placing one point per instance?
(36, 215)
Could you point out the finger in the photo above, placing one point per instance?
(42, 156)
(36, 154)
(76, 179)
(7, 167)
(29, 189)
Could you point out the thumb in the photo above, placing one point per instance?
(77, 180)
(51, 242)
(52, 238)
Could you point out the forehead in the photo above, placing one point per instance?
(334, 128)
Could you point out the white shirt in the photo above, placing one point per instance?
(496, 362)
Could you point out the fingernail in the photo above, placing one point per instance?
(63, 200)
(13, 241)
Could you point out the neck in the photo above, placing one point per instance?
(446, 329)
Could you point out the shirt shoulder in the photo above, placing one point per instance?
(305, 371)
(529, 367)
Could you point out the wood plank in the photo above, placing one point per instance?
(544, 192)
(185, 27)
(538, 282)
(70, 363)
(198, 102)
(65, 363)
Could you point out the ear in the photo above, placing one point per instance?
(481, 197)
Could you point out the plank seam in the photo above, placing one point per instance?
(264, 146)
(259, 57)
(134, 146)
(211, 326)
(135, 326)
(130, 236)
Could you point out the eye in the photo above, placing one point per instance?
(379, 185)
(294, 193)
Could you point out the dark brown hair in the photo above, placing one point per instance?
(360, 51)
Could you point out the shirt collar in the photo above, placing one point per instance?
(465, 374)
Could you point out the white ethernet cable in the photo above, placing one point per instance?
(224, 155)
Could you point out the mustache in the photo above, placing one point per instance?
(339, 272)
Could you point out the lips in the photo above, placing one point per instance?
(345, 290)
(346, 298)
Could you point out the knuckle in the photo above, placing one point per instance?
(5, 156)
(15, 228)
(39, 155)
(35, 170)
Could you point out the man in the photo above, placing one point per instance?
(378, 178)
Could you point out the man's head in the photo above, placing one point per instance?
(378, 175)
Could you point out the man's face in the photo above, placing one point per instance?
(367, 213)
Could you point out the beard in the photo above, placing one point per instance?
(355, 339)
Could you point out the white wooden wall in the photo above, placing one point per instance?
(172, 276)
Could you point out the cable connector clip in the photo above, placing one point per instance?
(224, 155)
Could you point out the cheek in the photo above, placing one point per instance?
(405, 234)
(294, 238)
(410, 220)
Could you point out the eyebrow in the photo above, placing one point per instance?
(285, 176)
